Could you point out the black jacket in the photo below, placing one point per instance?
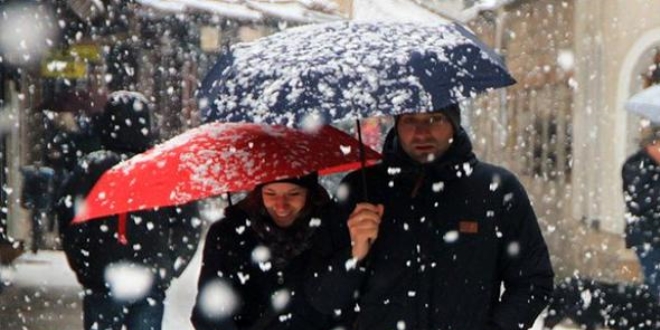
(162, 240)
(228, 260)
(453, 233)
(641, 190)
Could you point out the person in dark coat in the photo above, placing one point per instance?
(125, 263)
(641, 190)
(442, 241)
(255, 260)
(63, 149)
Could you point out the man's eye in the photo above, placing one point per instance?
(438, 119)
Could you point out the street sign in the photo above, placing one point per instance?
(89, 52)
(72, 62)
(63, 68)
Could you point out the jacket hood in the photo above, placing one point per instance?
(453, 164)
(125, 125)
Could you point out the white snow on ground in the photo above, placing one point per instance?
(181, 296)
(49, 269)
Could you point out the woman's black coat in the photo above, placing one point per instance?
(454, 233)
(641, 190)
(228, 258)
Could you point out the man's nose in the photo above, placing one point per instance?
(423, 128)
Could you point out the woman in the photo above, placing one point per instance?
(254, 261)
(641, 190)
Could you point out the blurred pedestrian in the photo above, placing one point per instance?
(37, 195)
(69, 140)
(442, 241)
(255, 259)
(69, 136)
(641, 190)
(125, 263)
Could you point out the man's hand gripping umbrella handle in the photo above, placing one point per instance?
(363, 226)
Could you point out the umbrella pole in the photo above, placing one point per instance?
(229, 203)
(363, 162)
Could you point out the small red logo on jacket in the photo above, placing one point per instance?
(468, 227)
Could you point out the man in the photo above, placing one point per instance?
(126, 262)
(443, 240)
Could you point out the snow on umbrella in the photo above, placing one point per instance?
(217, 158)
(646, 104)
(349, 70)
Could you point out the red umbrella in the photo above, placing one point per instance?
(217, 158)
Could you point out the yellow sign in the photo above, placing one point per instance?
(63, 68)
(71, 62)
(90, 52)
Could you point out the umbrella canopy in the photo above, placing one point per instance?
(217, 158)
(349, 70)
(646, 104)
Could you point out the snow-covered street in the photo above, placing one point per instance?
(44, 294)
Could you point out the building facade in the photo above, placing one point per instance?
(563, 126)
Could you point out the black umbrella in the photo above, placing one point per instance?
(347, 70)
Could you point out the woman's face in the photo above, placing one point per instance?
(283, 201)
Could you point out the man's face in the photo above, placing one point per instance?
(425, 136)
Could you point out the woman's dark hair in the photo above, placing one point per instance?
(253, 203)
(649, 135)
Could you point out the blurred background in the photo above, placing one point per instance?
(562, 128)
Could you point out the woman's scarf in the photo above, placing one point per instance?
(285, 243)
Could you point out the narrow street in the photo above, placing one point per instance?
(44, 295)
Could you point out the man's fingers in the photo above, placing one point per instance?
(364, 218)
(368, 207)
(363, 228)
(380, 209)
(366, 214)
(363, 236)
(366, 233)
(365, 224)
